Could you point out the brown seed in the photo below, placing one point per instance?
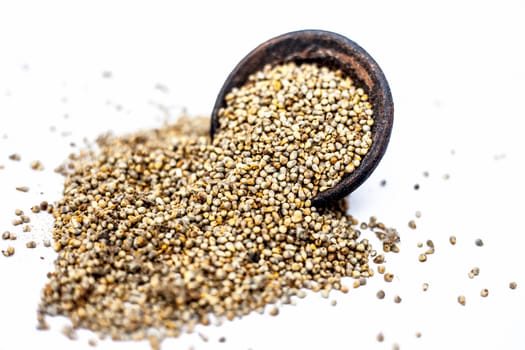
(473, 272)
(452, 240)
(380, 337)
(425, 287)
(15, 157)
(381, 269)
(422, 257)
(43, 205)
(484, 292)
(513, 285)
(379, 259)
(380, 294)
(412, 224)
(462, 300)
(389, 277)
(6, 235)
(418, 334)
(31, 244)
(22, 188)
(397, 299)
(37, 165)
(9, 251)
(274, 311)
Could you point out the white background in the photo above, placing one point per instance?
(72, 70)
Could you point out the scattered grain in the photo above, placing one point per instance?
(462, 300)
(10, 251)
(203, 337)
(380, 337)
(15, 156)
(274, 311)
(389, 277)
(473, 272)
(37, 165)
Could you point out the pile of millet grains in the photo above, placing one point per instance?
(167, 228)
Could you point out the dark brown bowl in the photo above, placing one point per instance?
(336, 52)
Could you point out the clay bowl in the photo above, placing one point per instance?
(336, 52)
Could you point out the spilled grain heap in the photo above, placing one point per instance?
(166, 229)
